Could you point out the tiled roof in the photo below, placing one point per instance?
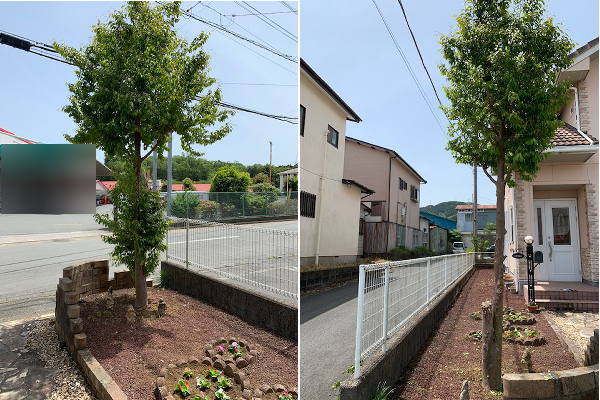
(198, 187)
(479, 207)
(583, 48)
(568, 135)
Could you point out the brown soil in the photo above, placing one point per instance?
(134, 354)
(450, 357)
(234, 391)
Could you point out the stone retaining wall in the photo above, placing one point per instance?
(573, 384)
(81, 280)
(403, 347)
(250, 306)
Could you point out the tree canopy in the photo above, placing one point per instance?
(229, 179)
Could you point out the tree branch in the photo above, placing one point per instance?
(489, 175)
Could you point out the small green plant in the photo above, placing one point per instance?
(182, 387)
(213, 373)
(285, 396)
(475, 335)
(496, 393)
(220, 394)
(350, 369)
(336, 385)
(476, 315)
(203, 383)
(188, 373)
(223, 383)
(201, 396)
(383, 392)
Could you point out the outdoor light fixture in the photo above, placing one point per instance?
(530, 273)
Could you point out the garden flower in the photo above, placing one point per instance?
(234, 344)
(221, 348)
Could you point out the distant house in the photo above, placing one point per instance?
(329, 203)
(436, 229)
(283, 176)
(559, 208)
(393, 219)
(486, 214)
(198, 187)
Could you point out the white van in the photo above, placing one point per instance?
(458, 247)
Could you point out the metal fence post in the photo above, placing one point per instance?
(386, 295)
(446, 270)
(427, 271)
(359, 315)
(187, 242)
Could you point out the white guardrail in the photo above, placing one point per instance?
(390, 293)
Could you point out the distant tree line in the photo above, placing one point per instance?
(200, 170)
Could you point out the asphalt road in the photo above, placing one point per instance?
(29, 270)
(327, 331)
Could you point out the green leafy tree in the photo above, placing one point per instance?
(291, 183)
(184, 205)
(188, 184)
(501, 65)
(483, 242)
(230, 179)
(264, 188)
(261, 177)
(137, 81)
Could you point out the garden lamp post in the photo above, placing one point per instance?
(530, 270)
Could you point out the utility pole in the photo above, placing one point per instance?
(474, 204)
(270, 162)
(169, 173)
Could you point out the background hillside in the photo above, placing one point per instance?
(445, 209)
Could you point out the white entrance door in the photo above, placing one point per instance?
(557, 236)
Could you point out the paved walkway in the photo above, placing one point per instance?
(574, 329)
(327, 329)
(22, 374)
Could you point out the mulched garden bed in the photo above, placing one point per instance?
(451, 356)
(134, 353)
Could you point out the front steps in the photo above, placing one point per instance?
(574, 296)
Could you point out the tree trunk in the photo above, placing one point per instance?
(141, 293)
(492, 344)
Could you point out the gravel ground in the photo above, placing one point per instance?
(450, 357)
(69, 384)
(133, 354)
(575, 328)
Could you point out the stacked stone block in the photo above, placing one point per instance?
(591, 353)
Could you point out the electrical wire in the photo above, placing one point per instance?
(289, 7)
(419, 51)
(237, 35)
(283, 118)
(246, 6)
(410, 70)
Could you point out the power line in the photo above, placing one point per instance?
(246, 6)
(264, 13)
(411, 72)
(419, 51)
(26, 44)
(258, 84)
(289, 7)
(237, 35)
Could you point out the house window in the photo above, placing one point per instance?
(308, 203)
(414, 193)
(468, 217)
(540, 229)
(402, 185)
(332, 136)
(302, 116)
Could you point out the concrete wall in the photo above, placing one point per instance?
(402, 348)
(322, 167)
(573, 384)
(280, 318)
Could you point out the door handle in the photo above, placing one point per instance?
(550, 246)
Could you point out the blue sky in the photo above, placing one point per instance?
(34, 89)
(348, 45)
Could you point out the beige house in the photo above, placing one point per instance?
(559, 208)
(329, 204)
(392, 217)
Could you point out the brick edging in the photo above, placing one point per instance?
(84, 279)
